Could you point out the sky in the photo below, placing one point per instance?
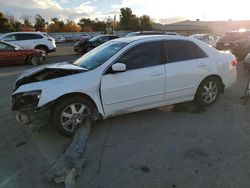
(163, 11)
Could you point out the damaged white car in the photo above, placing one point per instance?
(124, 75)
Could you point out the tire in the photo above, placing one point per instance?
(68, 121)
(33, 60)
(208, 92)
(43, 48)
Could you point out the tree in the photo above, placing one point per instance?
(5, 25)
(98, 25)
(56, 25)
(16, 25)
(40, 23)
(27, 23)
(128, 21)
(71, 26)
(125, 18)
(146, 23)
(85, 23)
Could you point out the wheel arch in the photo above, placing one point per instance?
(75, 94)
(216, 76)
(42, 45)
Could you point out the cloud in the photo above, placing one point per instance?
(48, 9)
(84, 7)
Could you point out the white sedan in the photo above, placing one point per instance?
(125, 75)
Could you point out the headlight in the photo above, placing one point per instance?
(26, 100)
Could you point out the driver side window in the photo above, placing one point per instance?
(141, 56)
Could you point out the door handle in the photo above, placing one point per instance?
(156, 73)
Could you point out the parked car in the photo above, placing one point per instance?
(124, 75)
(84, 46)
(207, 38)
(237, 42)
(86, 36)
(72, 38)
(60, 39)
(12, 55)
(31, 40)
(138, 33)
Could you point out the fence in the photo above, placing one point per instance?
(79, 34)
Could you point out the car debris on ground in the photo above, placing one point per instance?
(70, 163)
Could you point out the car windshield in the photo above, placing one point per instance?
(99, 55)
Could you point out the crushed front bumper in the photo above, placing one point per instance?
(38, 120)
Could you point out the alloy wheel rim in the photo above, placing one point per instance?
(209, 92)
(33, 61)
(73, 115)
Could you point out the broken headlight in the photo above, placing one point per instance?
(26, 100)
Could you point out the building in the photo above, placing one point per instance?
(188, 27)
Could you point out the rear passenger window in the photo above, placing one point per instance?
(141, 56)
(178, 50)
(28, 36)
(23, 37)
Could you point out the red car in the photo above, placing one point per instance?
(13, 55)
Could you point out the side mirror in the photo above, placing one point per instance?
(118, 67)
(16, 49)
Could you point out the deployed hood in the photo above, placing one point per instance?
(46, 72)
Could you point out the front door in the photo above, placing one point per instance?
(143, 83)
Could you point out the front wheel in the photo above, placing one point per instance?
(208, 92)
(70, 113)
(33, 60)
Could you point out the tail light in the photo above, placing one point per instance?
(234, 62)
(50, 39)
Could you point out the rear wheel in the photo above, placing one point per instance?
(208, 91)
(43, 48)
(70, 113)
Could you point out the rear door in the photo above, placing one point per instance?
(8, 55)
(143, 83)
(186, 65)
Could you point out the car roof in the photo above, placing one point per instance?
(152, 33)
(21, 32)
(150, 37)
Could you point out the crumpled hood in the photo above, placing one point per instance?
(47, 72)
(62, 66)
